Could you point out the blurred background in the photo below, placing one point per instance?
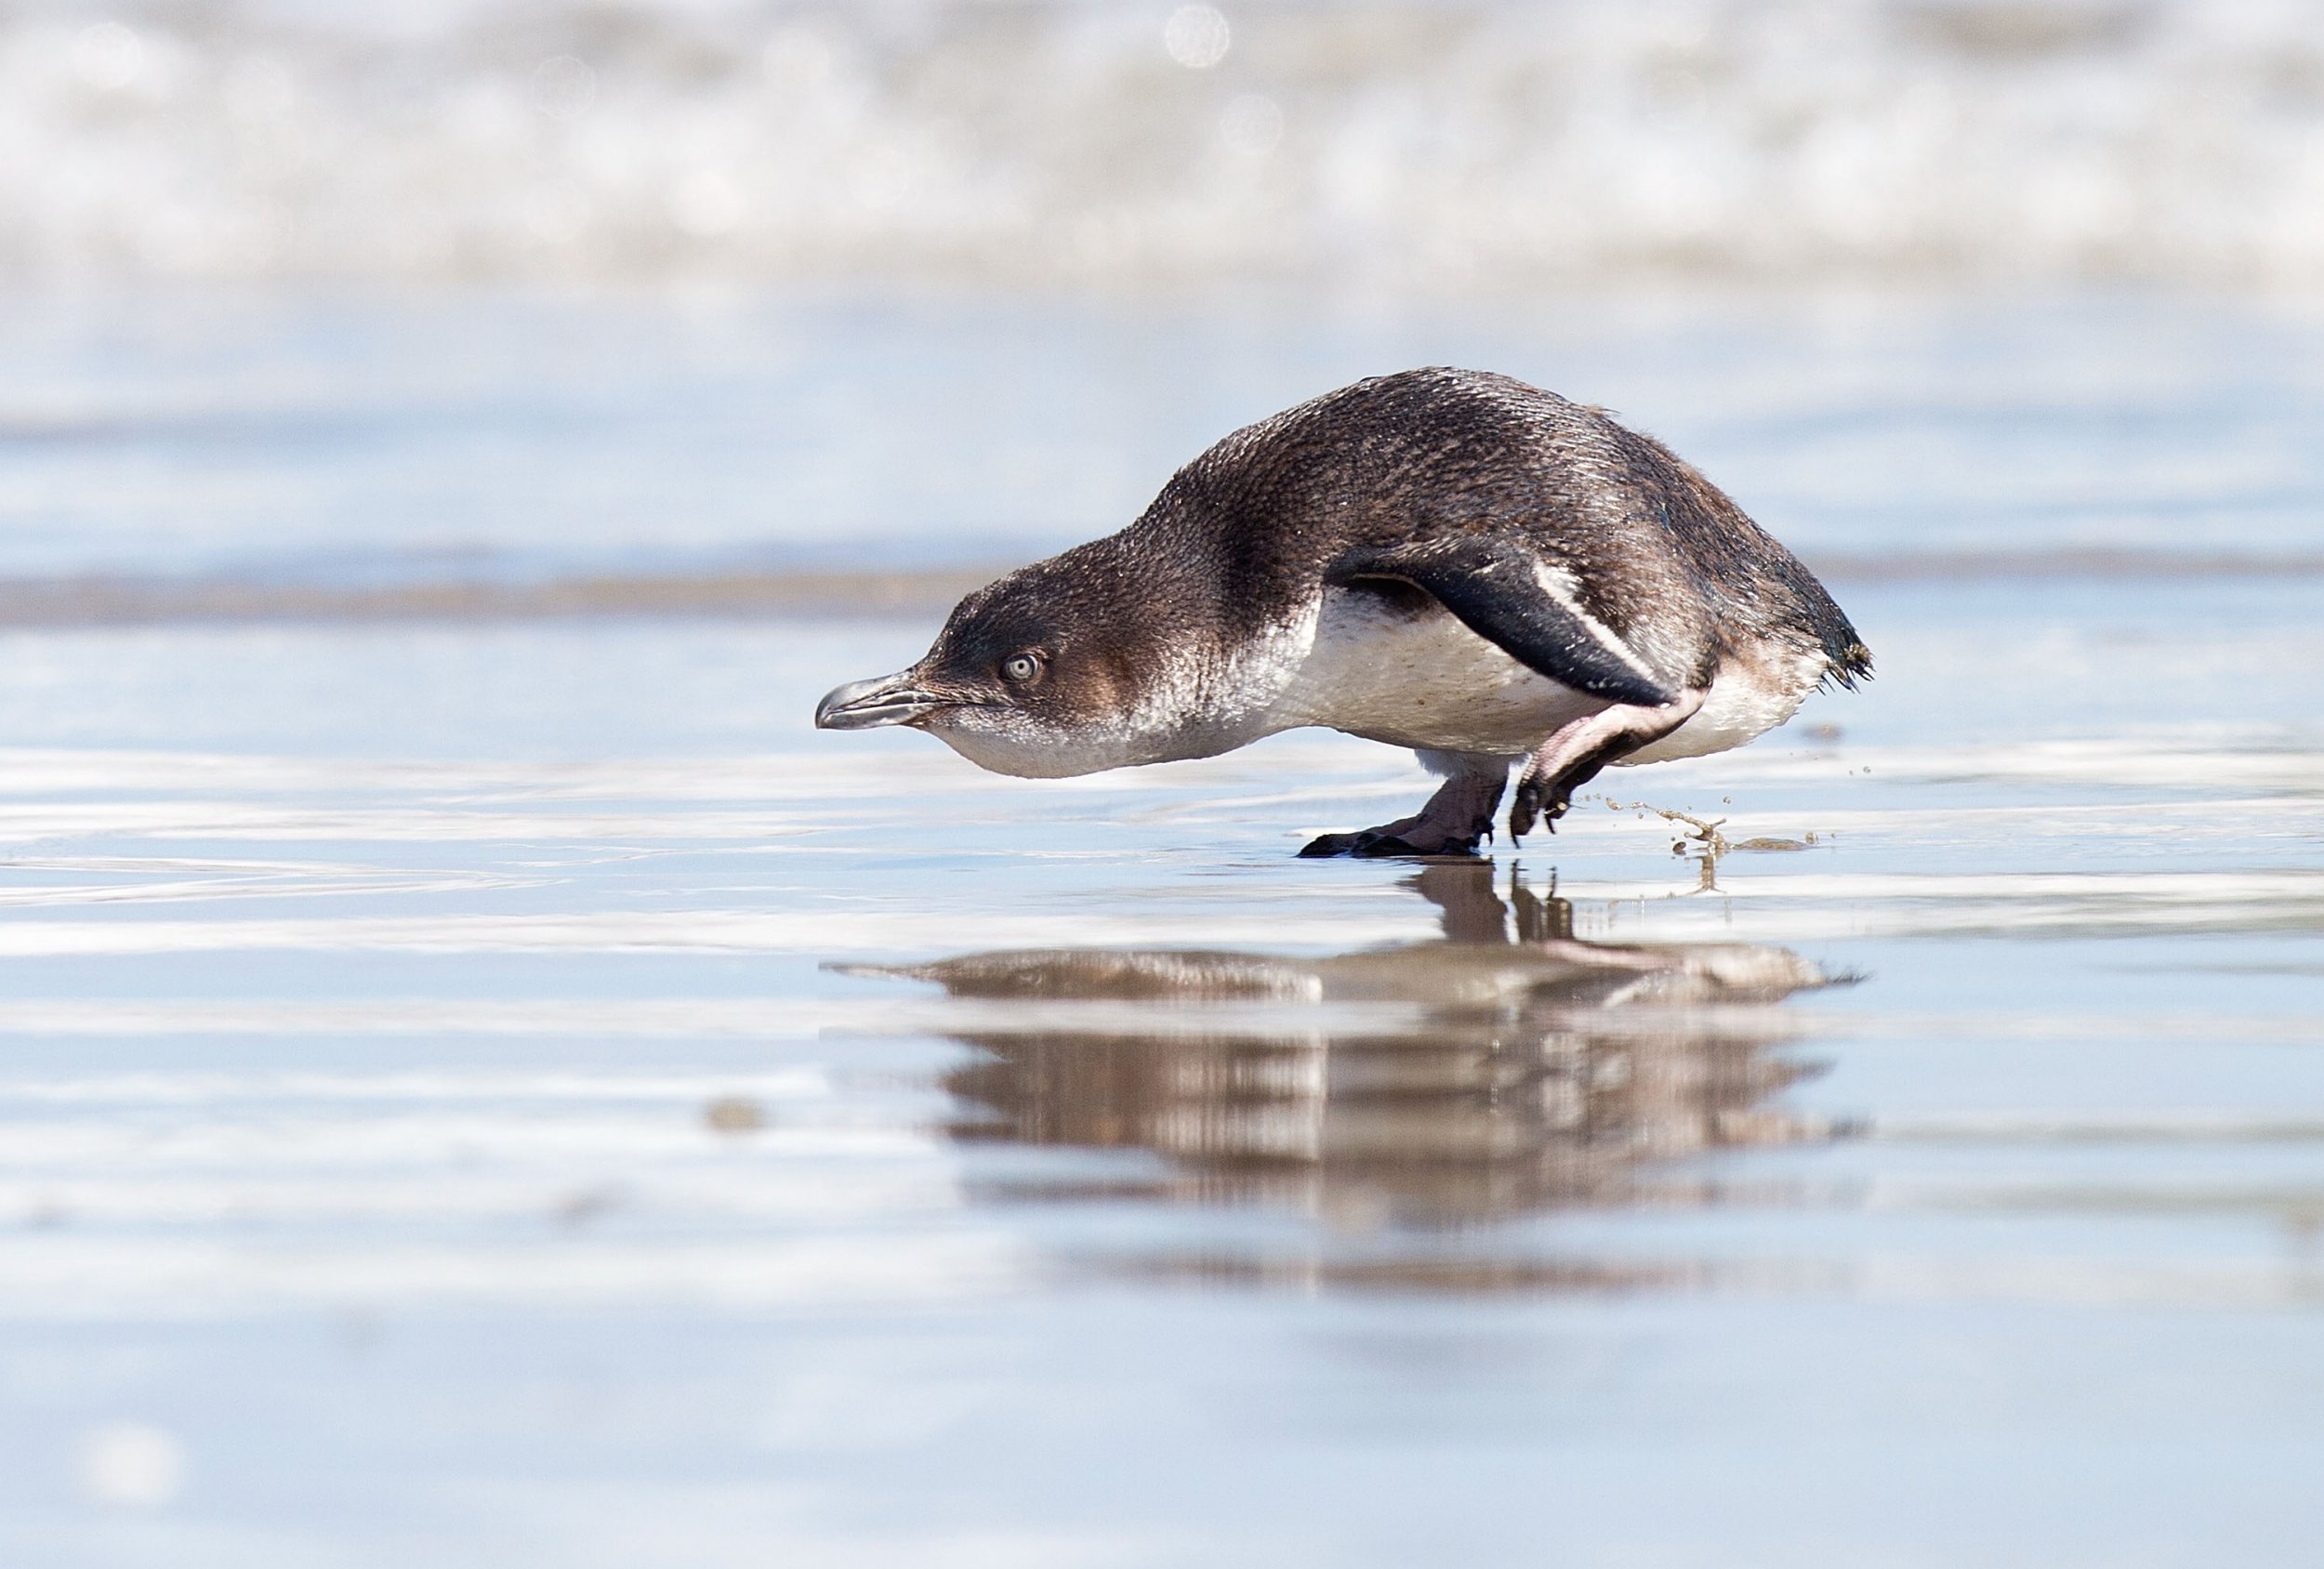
(1433, 147)
(472, 290)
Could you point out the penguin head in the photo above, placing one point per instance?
(1047, 673)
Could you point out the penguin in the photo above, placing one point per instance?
(1446, 559)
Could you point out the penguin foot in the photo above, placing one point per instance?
(1539, 802)
(1456, 820)
(1572, 758)
(1378, 844)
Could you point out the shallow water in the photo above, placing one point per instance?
(469, 1121)
(511, 1093)
(284, 440)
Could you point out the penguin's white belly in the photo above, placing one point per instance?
(1746, 698)
(1419, 678)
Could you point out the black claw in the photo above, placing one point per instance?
(1325, 845)
(1523, 810)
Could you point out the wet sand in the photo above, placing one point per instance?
(481, 1082)
(511, 1093)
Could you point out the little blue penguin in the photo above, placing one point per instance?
(1446, 559)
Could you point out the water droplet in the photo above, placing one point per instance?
(1196, 36)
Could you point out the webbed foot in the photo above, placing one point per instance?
(1456, 820)
(1378, 844)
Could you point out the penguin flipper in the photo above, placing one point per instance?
(1520, 603)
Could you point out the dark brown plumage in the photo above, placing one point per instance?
(1443, 559)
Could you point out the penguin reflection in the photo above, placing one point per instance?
(1528, 1074)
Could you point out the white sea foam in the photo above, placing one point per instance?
(1384, 141)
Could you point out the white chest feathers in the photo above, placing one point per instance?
(1416, 677)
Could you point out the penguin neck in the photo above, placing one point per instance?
(1222, 674)
(1200, 702)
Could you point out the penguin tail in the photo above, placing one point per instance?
(1849, 665)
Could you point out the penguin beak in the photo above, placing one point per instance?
(885, 699)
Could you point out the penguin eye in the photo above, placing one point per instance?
(1021, 669)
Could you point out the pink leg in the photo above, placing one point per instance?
(1572, 758)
